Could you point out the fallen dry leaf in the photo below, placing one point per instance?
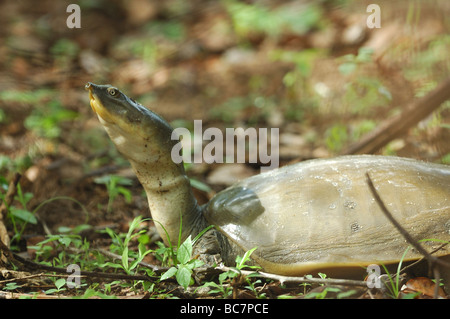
(423, 285)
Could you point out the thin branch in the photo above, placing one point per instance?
(7, 201)
(394, 127)
(432, 260)
(423, 257)
(283, 279)
(400, 228)
(15, 279)
(9, 197)
(93, 274)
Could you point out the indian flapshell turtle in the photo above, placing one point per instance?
(309, 216)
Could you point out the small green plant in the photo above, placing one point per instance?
(58, 248)
(233, 275)
(20, 216)
(122, 247)
(91, 292)
(18, 164)
(46, 121)
(305, 285)
(300, 97)
(322, 294)
(336, 137)
(184, 269)
(47, 113)
(350, 62)
(220, 288)
(340, 294)
(59, 284)
(64, 52)
(446, 159)
(241, 262)
(114, 185)
(394, 280)
(365, 93)
(10, 286)
(183, 263)
(362, 93)
(252, 286)
(27, 97)
(249, 19)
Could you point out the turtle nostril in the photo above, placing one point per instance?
(87, 86)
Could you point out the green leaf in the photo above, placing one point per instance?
(240, 261)
(200, 234)
(112, 265)
(184, 276)
(25, 215)
(144, 239)
(50, 291)
(125, 258)
(169, 273)
(11, 286)
(184, 252)
(199, 185)
(225, 275)
(60, 282)
(194, 263)
(65, 240)
(125, 192)
(142, 252)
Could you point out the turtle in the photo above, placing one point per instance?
(314, 215)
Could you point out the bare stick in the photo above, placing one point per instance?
(398, 125)
(12, 189)
(399, 227)
(283, 279)
(432, 260)
(93, 274)
(9, 197)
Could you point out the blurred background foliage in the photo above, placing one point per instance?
(312, 68)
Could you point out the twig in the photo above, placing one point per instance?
(9, 197)
(398, 125)
(432, 260)
(3, 282)
(399, 227)
(92, 274)
(5, 250)
(421, 259)
(283, 279)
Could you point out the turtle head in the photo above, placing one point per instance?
(138, 133)
(145, 139)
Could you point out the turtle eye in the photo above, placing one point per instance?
(113, 92)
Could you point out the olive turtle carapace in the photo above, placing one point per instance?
(303, 217)
(321, 213)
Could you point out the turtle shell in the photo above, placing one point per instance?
(320, 214)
